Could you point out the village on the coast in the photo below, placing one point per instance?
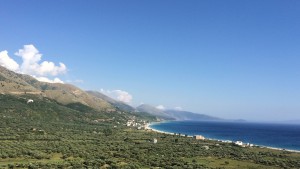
(144, 125)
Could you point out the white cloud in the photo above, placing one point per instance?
(119, 95)
(178, 108)
(8, 62)
(50, 68)
(30, 65)
(45, 79)
(160, 107)
(75, 81)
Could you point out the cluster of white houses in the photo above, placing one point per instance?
(239, 143)
(140, 125)
(143, 125)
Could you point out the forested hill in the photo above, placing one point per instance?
(44, 110)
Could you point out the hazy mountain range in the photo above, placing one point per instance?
(66, 94)
(145, 108)
(175, 114)
(154, 111)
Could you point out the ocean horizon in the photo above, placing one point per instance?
(273, 135)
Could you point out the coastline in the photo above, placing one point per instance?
(158, 131)
(149, 127)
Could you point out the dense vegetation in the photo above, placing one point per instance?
(46, 134)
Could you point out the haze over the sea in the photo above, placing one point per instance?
(230, 59)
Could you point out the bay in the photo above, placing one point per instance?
(283, 136)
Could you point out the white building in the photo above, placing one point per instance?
(199, 137)
(249, 145)
(29, 101)
(239, 143)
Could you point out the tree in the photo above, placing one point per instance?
(107, 131)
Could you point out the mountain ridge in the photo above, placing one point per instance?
(153, 111)
(175, 114)
(186, 115)
(118, 104)
(18, 84)
(67, 94)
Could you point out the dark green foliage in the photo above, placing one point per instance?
(107, 131)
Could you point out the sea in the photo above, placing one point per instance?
(282, 136)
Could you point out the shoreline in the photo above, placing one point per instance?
(213, 139)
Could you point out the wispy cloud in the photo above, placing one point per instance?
(119, 95)
(178, 108)
(160, 107)
(77, 81)
(33, 65)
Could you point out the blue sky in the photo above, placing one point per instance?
(231, 59)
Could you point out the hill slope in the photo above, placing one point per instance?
(44, 110)
(18, 84)
(118, 104)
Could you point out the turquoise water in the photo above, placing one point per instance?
(285, 136)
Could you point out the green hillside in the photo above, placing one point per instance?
(19, 84)
(44, 110)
